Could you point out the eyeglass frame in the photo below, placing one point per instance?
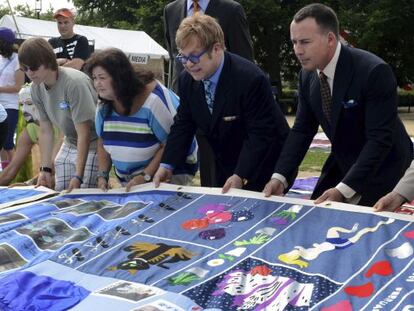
(195, 59)
(25, 68)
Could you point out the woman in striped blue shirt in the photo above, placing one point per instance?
(133, 120)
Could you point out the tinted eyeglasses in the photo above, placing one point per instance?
(195, 59)
(25, 68)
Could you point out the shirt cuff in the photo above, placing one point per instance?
(167, 166)
(345, 190)
(281, 178)
(349, 194)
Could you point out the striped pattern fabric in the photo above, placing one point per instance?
(325, 96)
(132, 141)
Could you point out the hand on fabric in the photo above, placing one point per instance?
(73, 184)
(389, 202)
(275, 187)
(137, 180)
(162, 175)
(45, 179)
(233, 181)
(331, 194)
(102, 184)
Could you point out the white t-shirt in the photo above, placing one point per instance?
(8, 68)
(3, 114)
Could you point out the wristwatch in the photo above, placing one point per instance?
(103, 174)
(45, 169)
(147, 177)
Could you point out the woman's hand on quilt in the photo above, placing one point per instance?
(389, 202)
(137, 180)
(103, 183)
(163, 174)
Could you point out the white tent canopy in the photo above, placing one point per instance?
(136, 44)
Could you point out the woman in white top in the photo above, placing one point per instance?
(11, 80)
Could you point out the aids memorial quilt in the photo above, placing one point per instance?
(20, 195)
(182, 248)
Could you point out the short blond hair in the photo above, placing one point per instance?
(204, 28)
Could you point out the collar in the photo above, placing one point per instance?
(329, 70)
(202, 3)
(216, 76)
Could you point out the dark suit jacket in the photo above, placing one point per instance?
(231, 17)
(370, 147)
(246, 130)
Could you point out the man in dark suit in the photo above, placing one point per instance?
(370, 147)
(230, 15)
(229, 99)
(232, 19)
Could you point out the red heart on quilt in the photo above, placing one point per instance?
(409, 234)
(194, 224)
(343, 305)
(218, 218)
(361, 290)
(381, 268)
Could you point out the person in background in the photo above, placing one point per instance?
(403, 192)
(229, 99)
(3, 126)
(11, 80)
(72, 50)
(65, 98)
(229, 14)
(352, 95)
(133, 121)
(28, 137)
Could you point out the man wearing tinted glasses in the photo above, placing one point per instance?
(65, 98)
(230, 101)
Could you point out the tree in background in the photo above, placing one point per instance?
(384, 27)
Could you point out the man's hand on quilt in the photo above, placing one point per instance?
(331, 194)
(389, 202)
(275, 187)
(75, 183)
(45, 179)
(162, 175)
(233, 181)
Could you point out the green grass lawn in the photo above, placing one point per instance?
(313, 161)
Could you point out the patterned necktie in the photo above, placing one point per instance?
(196, 7)
(209, 94)
(326, 96)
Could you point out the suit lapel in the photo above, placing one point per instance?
(211, 8)
(342, 80)
(222, 90)
(198, 100)
(182, 11)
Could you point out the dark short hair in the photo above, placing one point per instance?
(325, 17)
(7, 49)
(35, 52)
(126, 81)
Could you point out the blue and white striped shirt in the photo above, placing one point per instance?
(132, 141)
